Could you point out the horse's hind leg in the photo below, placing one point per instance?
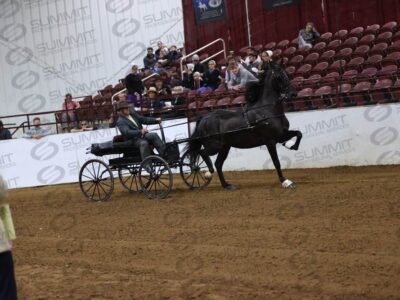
(219, 162)
(204, 155)
(286, 183)
(290, 134)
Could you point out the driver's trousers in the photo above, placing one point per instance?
(144, 144)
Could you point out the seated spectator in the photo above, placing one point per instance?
(198, 67)
(187, 81)
(212, 77)
(37, 132)
(83, 126)
(134, 85)
(152, 101)
(157, 68)
(4, 132)
(231, 62)
(162, 88)
(164, 59)
(173, 53)
(251, 63)
(308, 36)
(160, 46)
(165, 78)
(150, 59)
(240, 78)
(69, 116)
(175, 80)
(198, 83)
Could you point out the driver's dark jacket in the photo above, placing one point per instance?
(128, 129)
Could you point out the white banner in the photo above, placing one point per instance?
(51, 47)
(356, 136)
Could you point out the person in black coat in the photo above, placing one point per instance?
(130, 124)
(212, 76)
(4, 132)
(134, 85)
(150, 59)
(198, 67)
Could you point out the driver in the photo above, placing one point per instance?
(130, 125)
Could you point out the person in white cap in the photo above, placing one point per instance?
(8, 288)
(198, 67)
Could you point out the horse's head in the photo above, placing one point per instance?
(278, 80)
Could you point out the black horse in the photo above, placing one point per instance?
(261, 122)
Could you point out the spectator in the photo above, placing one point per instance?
(160, 46)
(267, 63)
(173, 53)
(4, 132)
(157, 68)
(175, 80)
(162, 89)
(240, 77)
(150, 59)
(8, 288)
(231, 62)
(152, 102)
(69, 116)
(37, 132)
(83, 126)
(212, 76)
(134, 85)
(197, 81)
(198, 67)
(251, 63)
(164, 59)
(187, 81)
(308, 36)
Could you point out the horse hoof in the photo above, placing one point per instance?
(288, 184)
(294, 147)
(230, 187)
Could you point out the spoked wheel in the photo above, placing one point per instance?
(155, 177)
(129, 178)
(193, 171)
(96, 180)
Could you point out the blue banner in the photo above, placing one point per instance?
(209, 10)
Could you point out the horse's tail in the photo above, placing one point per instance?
(195, 143)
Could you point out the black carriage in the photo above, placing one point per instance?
(96, 177)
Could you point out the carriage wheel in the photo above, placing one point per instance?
(193, 171)
(96, 180)
(128, 176)
(155, 177)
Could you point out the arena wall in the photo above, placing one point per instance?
(49, 48)
(356, 136)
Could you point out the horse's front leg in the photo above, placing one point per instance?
(286, 183)
(289, 135)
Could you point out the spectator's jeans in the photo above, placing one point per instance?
(72, 119)
(8, 288)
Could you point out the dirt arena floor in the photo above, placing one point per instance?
(336, 236)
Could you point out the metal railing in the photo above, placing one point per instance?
(223, 51)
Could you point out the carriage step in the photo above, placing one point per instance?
(124, 161)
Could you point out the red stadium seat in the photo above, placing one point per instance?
(357, 32)
(290, 70)
(328, 56)
(349, 75)
(345, 54)
(333, 45)
(362, 96)
(361, 51)
(283, 44)
(320, 68)
(384, 37)
(343, 90)
(319, 47)
(243, 50)
(296, 60)
(289, 52)
(388, 70)
(297, 81)
(258, 47)
(306, 92)
(392, 58)
(304, 70)
(395, 47)
(351, 42)
(294, 43)
(330, 77)
(374, 60)
(209, 104)
(203, 56)
(396, 37)
(224, 102)
(372, 29)
(192, 105)
(323, 92)
(383, 84)
(312, 58)
(303, 50)
(313, 79)
(389, 26)
(303, 98)
(270, 46)
(367, 40)
(341, 34)
(240, 100)
(338, 65)
(369, 72)
(382, 93)
(379, 49)
(356, 63)
(326, 37)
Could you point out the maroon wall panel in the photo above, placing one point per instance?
(285, 22)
